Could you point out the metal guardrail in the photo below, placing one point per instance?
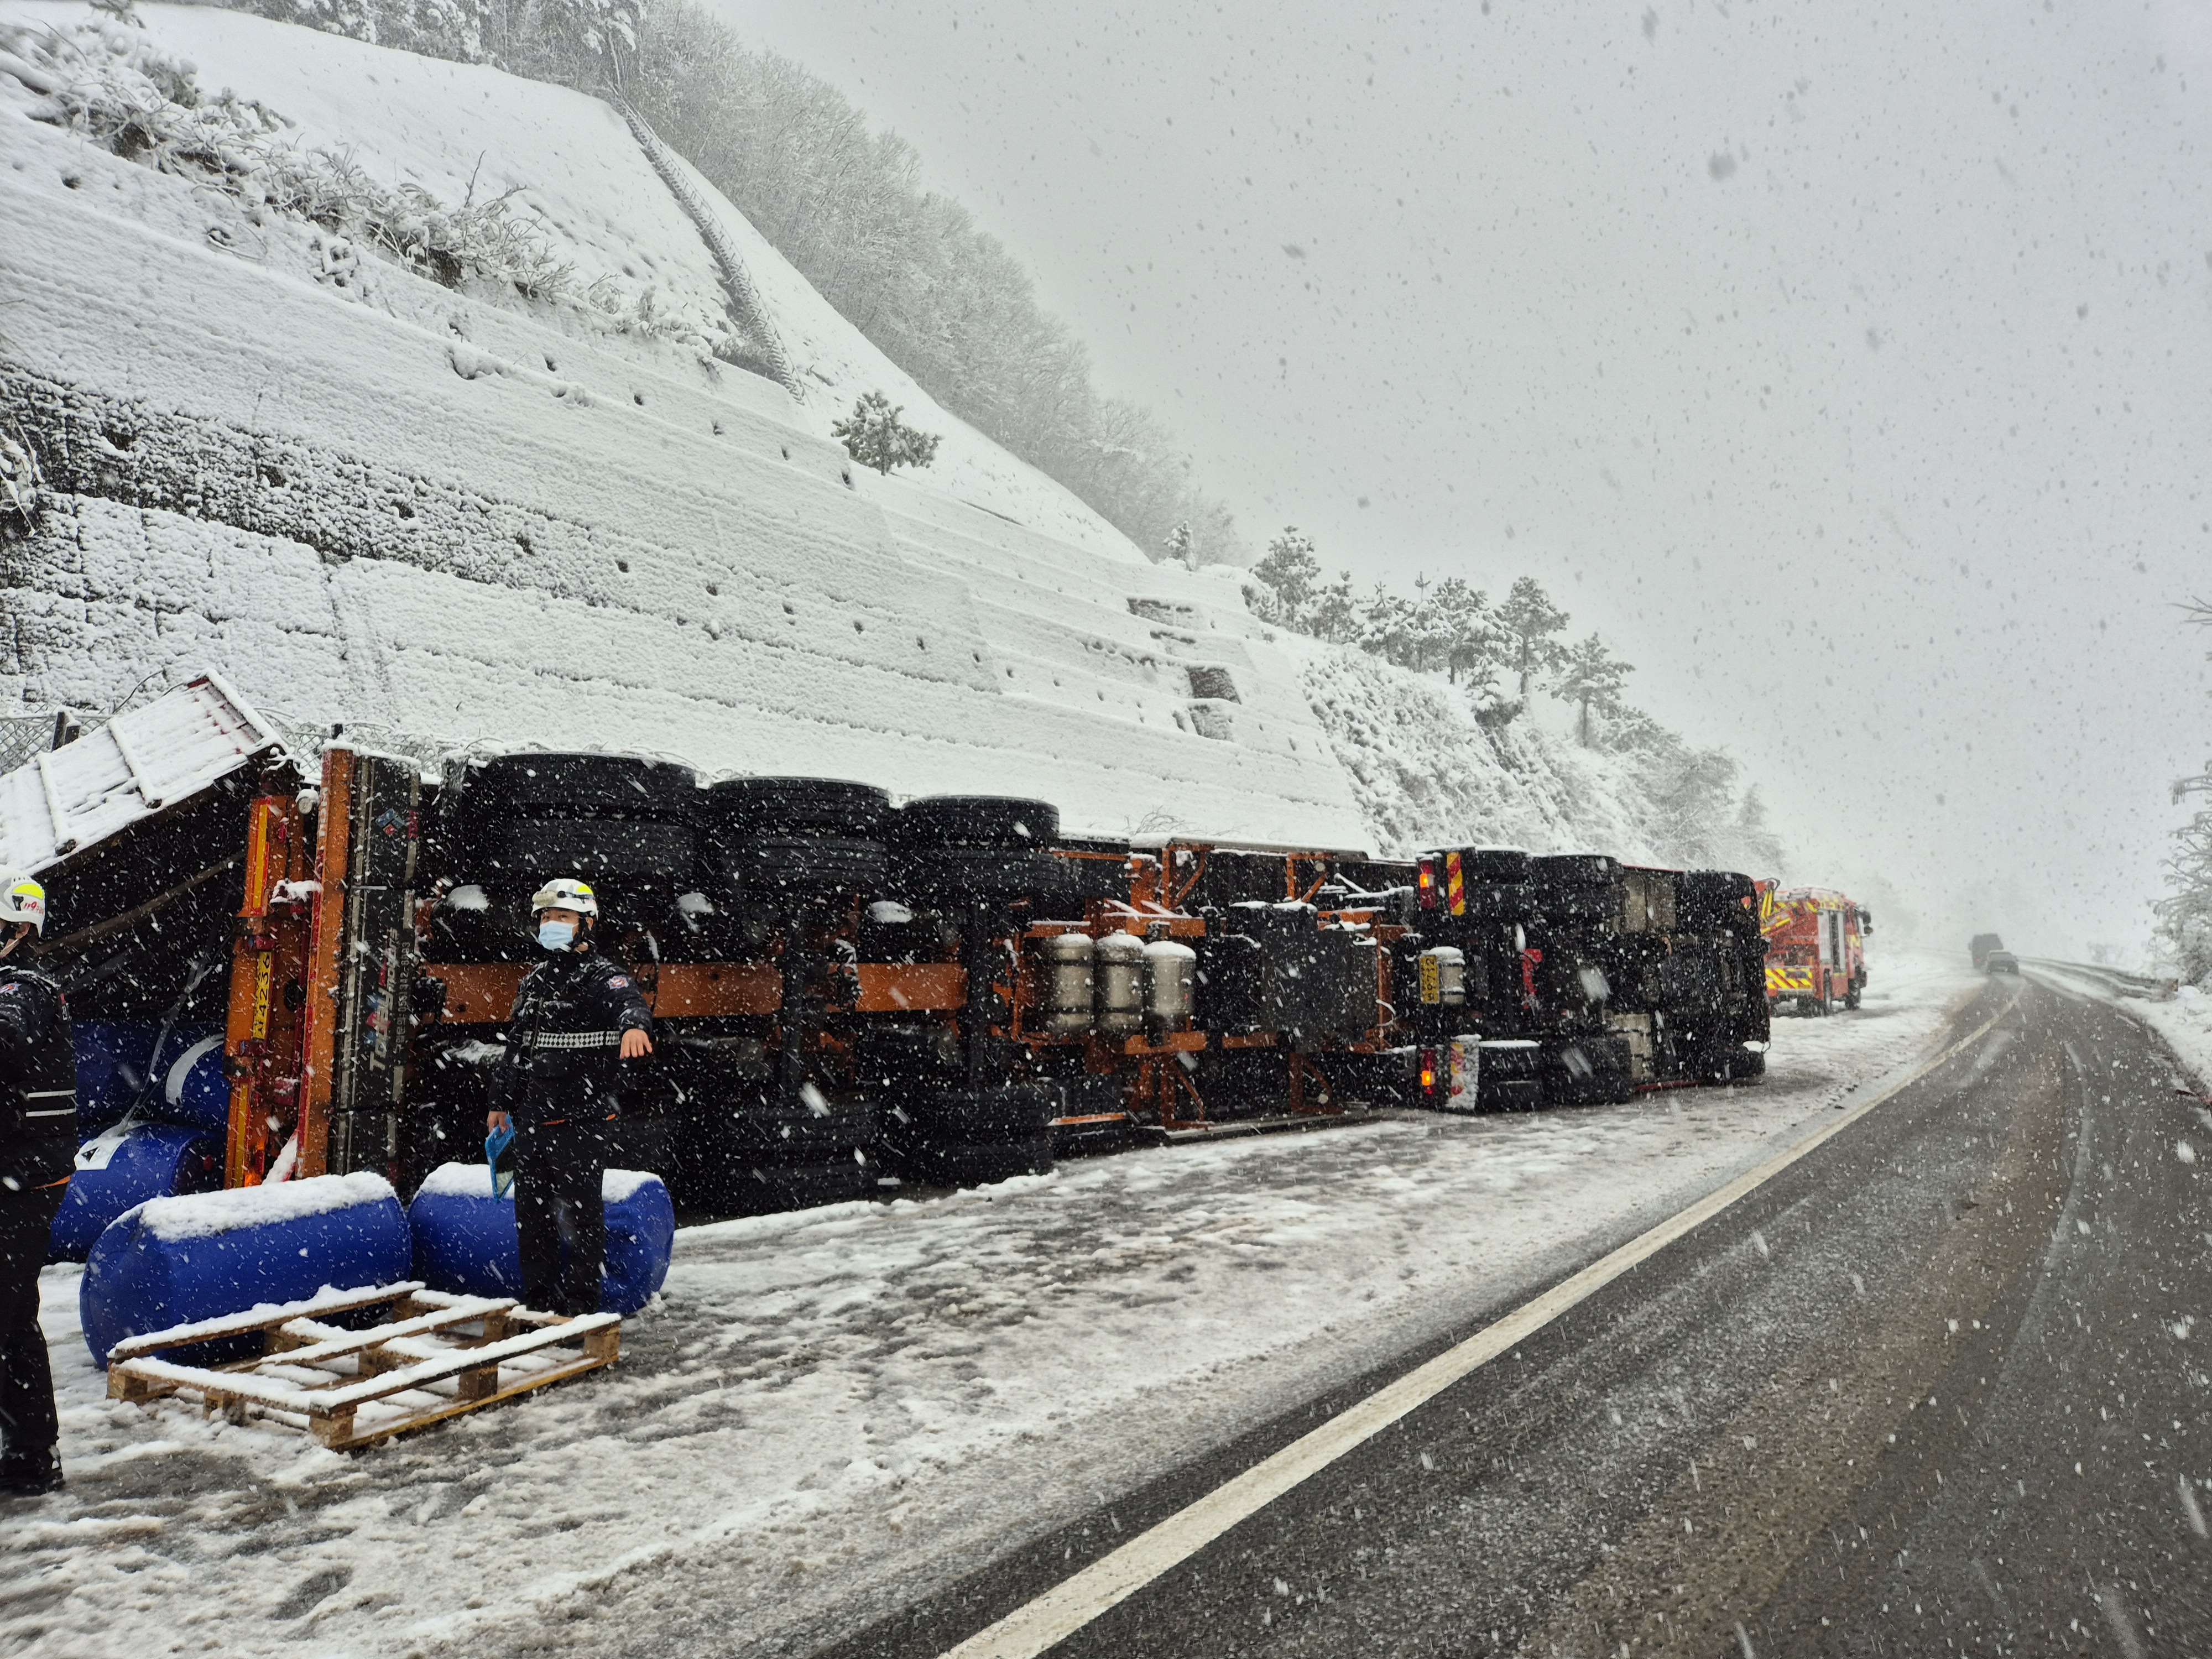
(2147, 987)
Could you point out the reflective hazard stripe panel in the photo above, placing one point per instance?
(1455, 884)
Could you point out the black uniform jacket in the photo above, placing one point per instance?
(38, 1081)
(564, 1040)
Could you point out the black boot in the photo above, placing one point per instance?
(30, 1473)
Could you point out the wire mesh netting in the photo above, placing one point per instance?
(22, 736)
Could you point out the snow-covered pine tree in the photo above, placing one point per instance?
(1333, 614)
(1385, 626)
(1591, 678)
(1464, 620)
(1288, 571)
(1426, 644)
(1177, 545)
(874, 435)
(1530, 622)
(1479, 681)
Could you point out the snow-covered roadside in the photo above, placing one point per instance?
(2185, 1022)
(831, 1411)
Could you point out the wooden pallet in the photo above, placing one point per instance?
(433, 1356)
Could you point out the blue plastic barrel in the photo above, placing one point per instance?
(465, 1241)
(118, 1172)
(174, 1260)
(110, 1064)
(112, 1057)
(189, 1086)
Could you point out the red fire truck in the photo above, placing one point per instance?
(1816, 947)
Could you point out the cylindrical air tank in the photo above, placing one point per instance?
(1171, 983)
(1069, 994)
(1118, 966)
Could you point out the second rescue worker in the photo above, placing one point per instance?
(577, 1016)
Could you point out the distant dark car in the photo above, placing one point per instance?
(1983, 944)
(2001, 961)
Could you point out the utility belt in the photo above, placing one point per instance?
(538, 1041)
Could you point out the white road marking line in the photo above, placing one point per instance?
(1052, 1618)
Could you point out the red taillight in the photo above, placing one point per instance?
(1426, 883)
(1428, 1070)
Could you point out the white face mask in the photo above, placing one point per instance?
(556, 935)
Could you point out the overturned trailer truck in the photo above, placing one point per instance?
(949, 990)
(1575, 979)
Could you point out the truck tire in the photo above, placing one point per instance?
(971, 1137)
(767, 1188)
(1484, 865)
(775, 840)
(775, 869)
(798, 1134)
(976, 1164)
(556, 785)
(800, 806)
(979, 847)
(508, 824)
(1015, 1112)
(1575, 870)
(529, 851)
(978, 820)
(727, 1180)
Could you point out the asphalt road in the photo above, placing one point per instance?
(1939, 1386)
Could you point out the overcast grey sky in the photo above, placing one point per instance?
(1850, 368)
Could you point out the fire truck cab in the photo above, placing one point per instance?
(1816, 947)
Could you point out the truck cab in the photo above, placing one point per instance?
(1816, 947)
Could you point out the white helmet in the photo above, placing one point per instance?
(22, 899)
(565, 893)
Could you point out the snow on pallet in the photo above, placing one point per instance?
(143, 760)
(434, 1355)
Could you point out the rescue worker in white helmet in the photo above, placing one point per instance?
(38, 1154)
(578, 1018)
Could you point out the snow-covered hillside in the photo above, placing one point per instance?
(466, 512)
(460, 515)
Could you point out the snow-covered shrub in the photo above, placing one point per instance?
(111, 84)
(874, 435)
(644, 314)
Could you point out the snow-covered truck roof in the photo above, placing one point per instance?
(144, 759)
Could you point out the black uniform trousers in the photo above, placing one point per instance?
(558, 1168)
(28, 1425)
